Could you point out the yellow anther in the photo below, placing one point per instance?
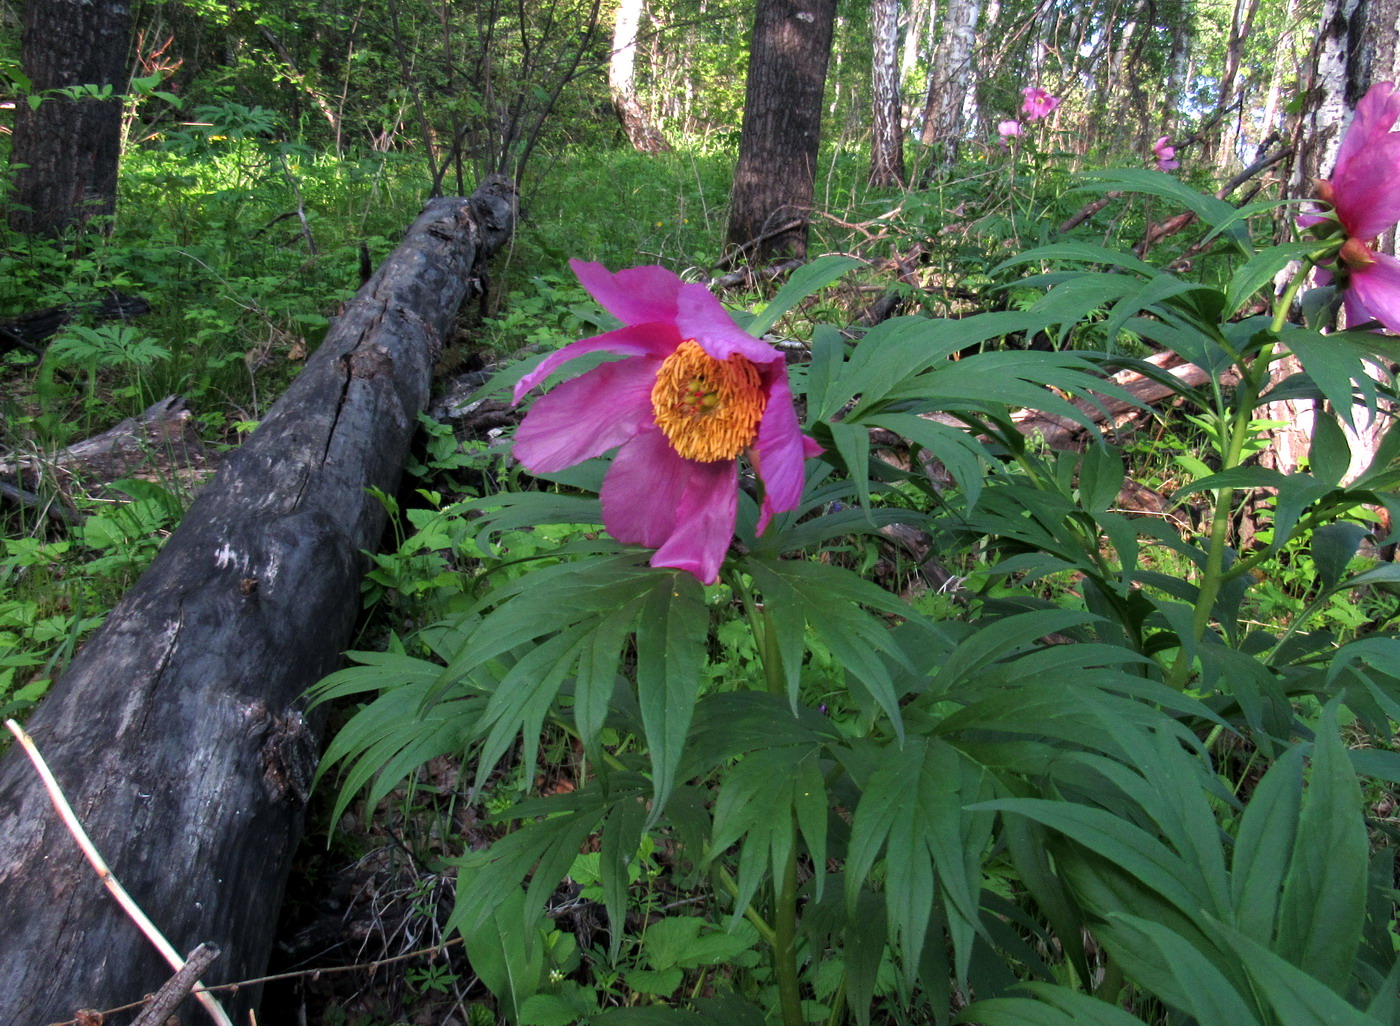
(709, 409)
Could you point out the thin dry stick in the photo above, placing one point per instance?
(70, 820)
(177, 988)
(315, 973)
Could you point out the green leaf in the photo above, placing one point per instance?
(828, 355)
(756, 806)
(660, 982)
(829, 599)
(1264, 846)
(1100, 477)
(1058, 1006)
(557, 1009)
(958, 450)
(1083, 252)
(688, 942)
(649, 1015)
(1323, 909)
(1333, 546)
(1298, 999)
(804, 281)
(1166, 963)
(1329, 455)
(672, 643)
(914, 807)
(510, 964)
(1337, 363)
(865, 946)
(1000, 639)
(598, 676)
(622, 836)
(1210, 210)
(1101, 832)
(1260, 269)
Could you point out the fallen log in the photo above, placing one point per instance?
(160, 445)
(177, 733)
(28, 330)
(1064, 433)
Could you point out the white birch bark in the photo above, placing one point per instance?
(950, 77)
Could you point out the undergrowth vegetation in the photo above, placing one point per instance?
(970, 734)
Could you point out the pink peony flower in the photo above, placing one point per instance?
(1166, 155)
(1038, 103)
(1009, 129)
(1364, 192)
(693, 393)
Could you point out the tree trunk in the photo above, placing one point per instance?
(644, 136)
(1221, 146)
(950, 78)
(69, 148)
(773, 182)
(1356, 40)
(886, 135)
(1178, 73)
(922, 18)
(1267, 124)
(176, 733)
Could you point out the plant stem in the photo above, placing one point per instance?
(783, 937)
(769, 935)
(1112, 984)
(785, 950)
(1235, 431)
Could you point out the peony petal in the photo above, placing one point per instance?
(704, 520)
(1377, 288)
(642, 490)
(654, 340)
(638, 295)
(587, 415)
(699, 315)
(779, 453)
(1375, 115)
(685, 509)
(1367, 196)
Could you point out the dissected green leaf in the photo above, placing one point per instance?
(672, 640)
(914, 808)
(804, 282)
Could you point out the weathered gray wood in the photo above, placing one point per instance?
(176, 732)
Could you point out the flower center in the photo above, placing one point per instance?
(708, 409)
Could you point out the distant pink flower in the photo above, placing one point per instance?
(1009, 129)
(1166, 155)
(1038, 103)
(1364, 192)
(693, 393)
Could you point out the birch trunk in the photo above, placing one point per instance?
(886, 135)
(644, 136)
(950, 78)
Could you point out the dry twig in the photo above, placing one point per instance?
(129, 906)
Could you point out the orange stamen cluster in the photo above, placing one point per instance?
(708, 409)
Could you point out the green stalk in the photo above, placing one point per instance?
(1235, 428)
(785, 950)
(782, 938)
(1111, 986)
(731, 886)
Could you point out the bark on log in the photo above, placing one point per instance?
(177, 733)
